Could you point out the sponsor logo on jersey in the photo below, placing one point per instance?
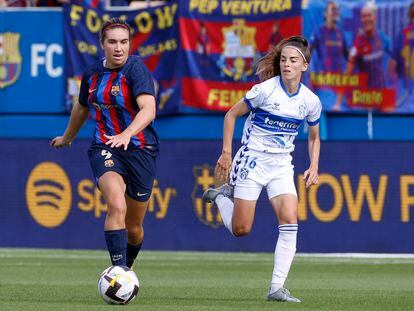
(280, 124)
(10, 58)
(103, 106)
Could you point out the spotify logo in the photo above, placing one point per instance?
(48, 194)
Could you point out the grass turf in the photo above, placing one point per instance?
(33, 279)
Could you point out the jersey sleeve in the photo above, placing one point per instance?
(84, 90)
(354, 51)
(314, 114)
(141, 80)
(254, 97)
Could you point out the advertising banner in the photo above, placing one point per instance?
(363, 202)
(362, 54)
(31, 61)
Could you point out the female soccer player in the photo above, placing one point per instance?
(118, 91)
(277, 106)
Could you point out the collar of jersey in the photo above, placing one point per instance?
(286, 92)
(103, 60)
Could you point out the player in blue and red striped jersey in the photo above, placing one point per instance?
(370, 52)
(329, 42)
(118, 92)
(330, 49)
(370, 49)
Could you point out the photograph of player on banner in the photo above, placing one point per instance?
(363, 53)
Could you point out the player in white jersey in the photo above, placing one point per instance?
(278, 105)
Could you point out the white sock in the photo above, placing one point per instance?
(284, 253)
(226, 206)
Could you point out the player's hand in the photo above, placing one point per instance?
(119, 140)
(60, 142)
(222, 170)
(311, 176)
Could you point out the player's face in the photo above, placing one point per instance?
(292, 64)
(368, 19)
(332, 13)
(116, 47)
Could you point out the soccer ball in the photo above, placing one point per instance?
(118, 285)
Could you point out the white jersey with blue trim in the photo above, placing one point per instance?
(277, 115)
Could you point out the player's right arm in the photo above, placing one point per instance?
(77, 119)
(224, 162)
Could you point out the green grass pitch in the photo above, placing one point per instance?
(33, 279)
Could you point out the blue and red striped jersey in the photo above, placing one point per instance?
(370, 54)
(111, 95)
(331, 47)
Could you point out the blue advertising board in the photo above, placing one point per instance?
(363, 203)
(31, 61)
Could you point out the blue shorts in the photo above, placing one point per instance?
(136, 167)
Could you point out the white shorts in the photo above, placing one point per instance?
(252, 170)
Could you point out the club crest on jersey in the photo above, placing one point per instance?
(10, 58)
(115, 90)
(244, 172)
(207, 213)
(109, 163)
(239, 50)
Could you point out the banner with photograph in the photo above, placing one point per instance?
(362, 55)
(154, 38)
(203, 53)
(221, 42)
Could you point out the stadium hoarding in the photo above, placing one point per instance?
(31, 61)
(364, 201)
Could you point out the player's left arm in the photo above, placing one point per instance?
(314, 145)
(146, 114)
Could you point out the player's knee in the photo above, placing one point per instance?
(135, 233)
(241, 230)
(116, 208)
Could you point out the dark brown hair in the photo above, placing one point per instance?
(111, 24)
(411, 12)
(269, 65)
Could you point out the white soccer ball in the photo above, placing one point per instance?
(118, 285)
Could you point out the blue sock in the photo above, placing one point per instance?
(116, 242)
(132, 253)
